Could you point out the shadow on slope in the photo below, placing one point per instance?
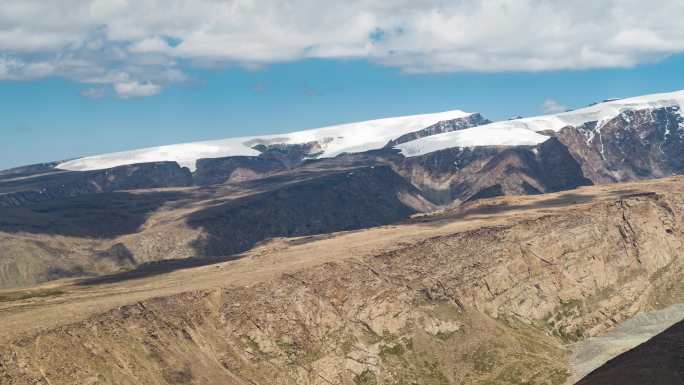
(478, 209)
(152, 269)
(347, 200)
(37, 184)
(104, 215)
(659, 361)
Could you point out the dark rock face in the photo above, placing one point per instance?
(290, 155)
(636, 144)
(234, 169)
(33, 169)
(102, 216)
(274, 157)
(438, 174)
(659, 361)
(339, 201)
(120, 254)
(42, 187)
(142, 176)
(487, 192)
(555, 167)
(441, 127)
(473, 173)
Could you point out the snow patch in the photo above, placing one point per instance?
(596, 113)
(335, 140)
(488, 135)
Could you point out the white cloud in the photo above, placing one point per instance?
(152, 44)
(135, 89)
(551, 106)
(94, 41)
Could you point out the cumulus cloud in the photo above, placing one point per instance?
(152, 41)
(551, 106)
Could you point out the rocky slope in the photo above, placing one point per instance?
(493, 304)
(636, 144)
(348, 200)
(102, 233)
(85, 235)
(458, 175)
(276, 157)
(38, 184)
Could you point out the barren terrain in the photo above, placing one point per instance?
(494, 292)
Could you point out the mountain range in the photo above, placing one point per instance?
(104, 213)
(430, 249)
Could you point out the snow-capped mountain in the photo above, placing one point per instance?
(450, 157)
(402, 132)
(615, 141)
(246, 190)
(329, 142)
(534, 130)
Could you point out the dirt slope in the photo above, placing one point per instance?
(487, 295)
(95, 234)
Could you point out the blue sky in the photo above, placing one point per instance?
(80, 77)
(48, 119)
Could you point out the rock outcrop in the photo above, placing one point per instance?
(442, 127)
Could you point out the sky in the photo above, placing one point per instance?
(83, 77)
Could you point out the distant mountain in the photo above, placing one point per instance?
(620, 140)
(311, 182)
(617, 140)
(522, 131)
(319, 143)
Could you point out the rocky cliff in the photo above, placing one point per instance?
(636, 144)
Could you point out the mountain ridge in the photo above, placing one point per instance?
(374, 134)
(158, 219)
(339, 138)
